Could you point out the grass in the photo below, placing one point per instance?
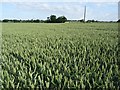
(68, 55)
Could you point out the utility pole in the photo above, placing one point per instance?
(84, 13)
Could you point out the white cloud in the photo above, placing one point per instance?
(69, 8)
(101, 15)
(0, 11)
(100, 4)
(59, 1)
(102, 1)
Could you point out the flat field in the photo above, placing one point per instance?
(68, 55)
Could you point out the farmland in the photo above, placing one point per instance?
(67, 55)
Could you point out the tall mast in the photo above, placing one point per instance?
(84, 13)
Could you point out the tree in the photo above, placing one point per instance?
(53, 19)
(89, 21)
(5, 20)
(118, 20)
(82, 20)
(15, 20)
(36, 21)
(61, 19)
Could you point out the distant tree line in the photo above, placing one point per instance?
(26, 21)
(52, 19)
(88, 21)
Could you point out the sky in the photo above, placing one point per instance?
(73, 10)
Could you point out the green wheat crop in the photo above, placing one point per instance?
(70, 55)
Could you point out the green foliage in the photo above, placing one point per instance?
(69, 55)
(53, 19)
(61, 19)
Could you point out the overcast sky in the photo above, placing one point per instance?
(104, 11)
